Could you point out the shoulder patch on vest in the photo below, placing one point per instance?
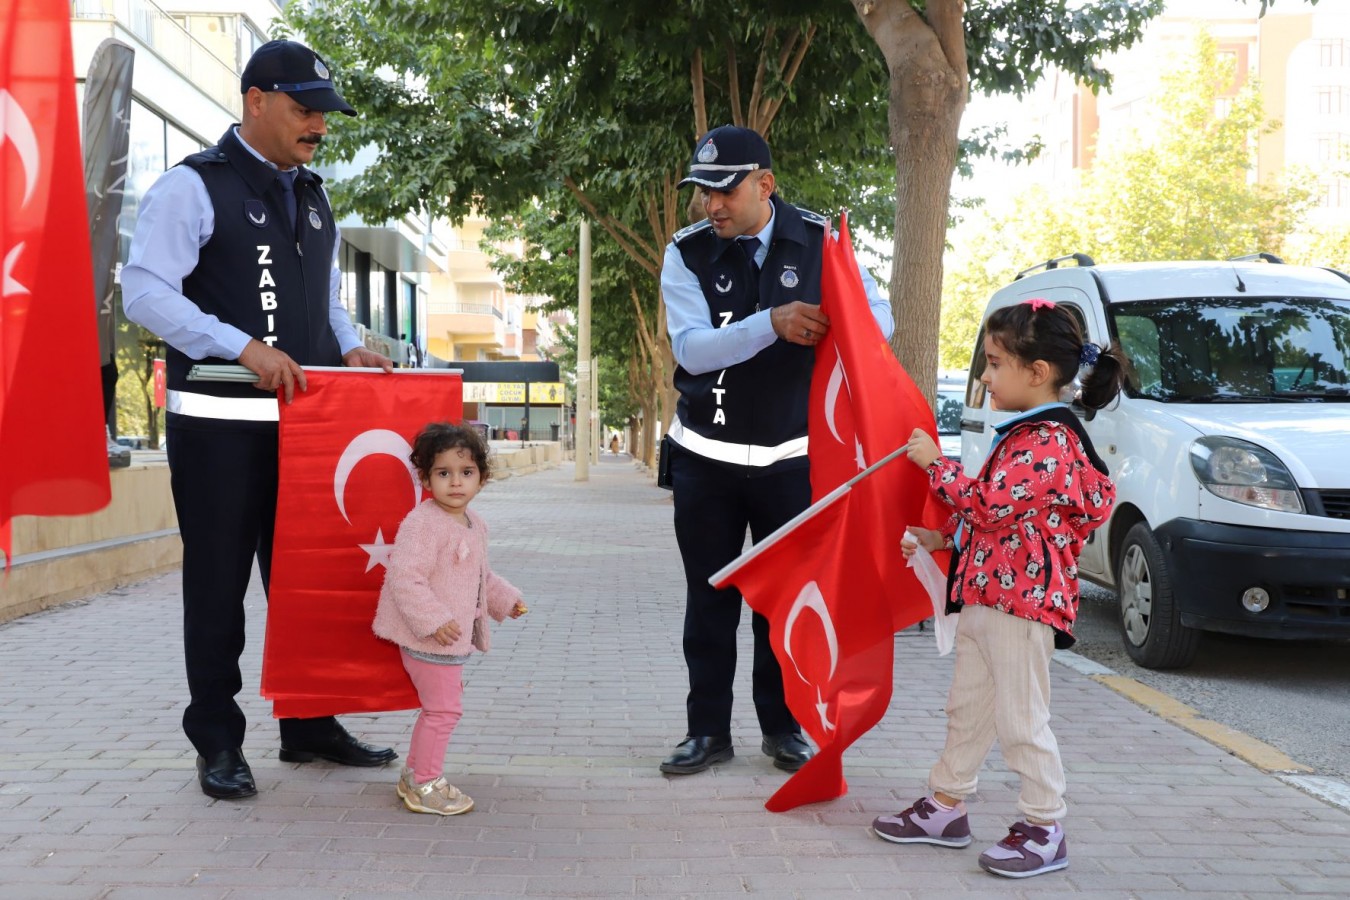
(814, 218)
(690, 231)
(208, 157)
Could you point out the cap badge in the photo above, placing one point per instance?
(707, 153)
(314, 220)
(320, 69)
(256, 213)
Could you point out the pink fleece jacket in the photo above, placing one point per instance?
(433, 576)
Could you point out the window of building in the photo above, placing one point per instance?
(379, 322)
(1332, 53)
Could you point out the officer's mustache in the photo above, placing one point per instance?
(315, 139)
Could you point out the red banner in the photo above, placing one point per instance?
(829, 626)
(345, 485)
(160, 383)
(863, 406)
(49, 359)
(832, 582)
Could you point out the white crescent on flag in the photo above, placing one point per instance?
(811, 598)
(832, 388)
(15, 127)
(371, 443)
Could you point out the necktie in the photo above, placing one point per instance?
(287, 180)
(750, 246)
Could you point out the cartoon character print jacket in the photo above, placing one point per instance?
(1040, 493)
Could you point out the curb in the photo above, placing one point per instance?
(1245, 747)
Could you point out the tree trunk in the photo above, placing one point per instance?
(929, 84)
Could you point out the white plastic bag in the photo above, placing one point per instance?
(934, 581)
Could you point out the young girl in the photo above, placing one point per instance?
(438, 592)
(1017, 531)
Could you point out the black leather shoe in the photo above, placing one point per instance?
(339, 747)
(694, 754)
(789, 751)
(225, 775)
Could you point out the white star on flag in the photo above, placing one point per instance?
(378, 551)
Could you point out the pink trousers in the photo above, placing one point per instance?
(440, 689)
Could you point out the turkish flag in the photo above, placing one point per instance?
(49, 358)
(864, 405)
(345, 485)
(830, 627)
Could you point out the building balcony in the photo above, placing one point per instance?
(156, 31)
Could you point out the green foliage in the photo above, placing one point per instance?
(1011, 44)
(134, 406)
(494, 103)
(1181, 189)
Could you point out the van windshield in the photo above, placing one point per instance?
(1236, 350)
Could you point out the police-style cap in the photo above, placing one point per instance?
(725, 155)
(294, 69)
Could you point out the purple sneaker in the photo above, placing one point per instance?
(926, 823)
(1027, 850)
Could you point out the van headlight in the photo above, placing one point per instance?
(1245, 473)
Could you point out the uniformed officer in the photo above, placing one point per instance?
(234, 259)
(742, 294)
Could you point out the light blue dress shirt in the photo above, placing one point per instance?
(174, 222)
(699, 346)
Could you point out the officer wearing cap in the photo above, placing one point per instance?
(234, 260)
(742, 294)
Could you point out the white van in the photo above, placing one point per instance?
(1230, 448)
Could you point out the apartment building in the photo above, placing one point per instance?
(1299, 52)
(418, 290)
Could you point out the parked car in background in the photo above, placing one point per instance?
(1228, 447)
(951, 395)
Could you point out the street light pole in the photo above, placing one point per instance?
(584, 374)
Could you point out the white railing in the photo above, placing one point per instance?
(171, 42)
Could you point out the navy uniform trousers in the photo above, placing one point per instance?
(224, 482)
(713, 507)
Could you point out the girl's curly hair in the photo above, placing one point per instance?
(438, 437)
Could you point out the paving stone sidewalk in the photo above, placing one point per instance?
(564, 724)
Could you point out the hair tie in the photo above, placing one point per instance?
(1087, 357)
(1038, 303)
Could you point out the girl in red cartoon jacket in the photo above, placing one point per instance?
(1017, 531)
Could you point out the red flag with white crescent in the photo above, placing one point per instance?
(832, 582)
(49, 360)
(829, 626)
(863, 406)
(345, 485)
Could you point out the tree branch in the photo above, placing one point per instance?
(700, 100)
(789, 77)
(733, 86)
(758, 89)
(640, 251)
(946, 17)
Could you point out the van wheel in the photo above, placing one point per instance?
(1150, 620)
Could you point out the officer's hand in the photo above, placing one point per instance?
(274, 369)
(799, 323)
(368, 359)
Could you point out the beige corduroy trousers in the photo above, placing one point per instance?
(1001, 689)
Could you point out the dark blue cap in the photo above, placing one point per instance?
(725, 155)
(294, 69)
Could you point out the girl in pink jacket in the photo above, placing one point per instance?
(437, 597)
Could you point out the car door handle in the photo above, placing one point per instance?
(975, 425)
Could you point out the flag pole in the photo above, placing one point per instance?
(242, 374)
(721, 575)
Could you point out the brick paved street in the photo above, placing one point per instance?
(565, 722)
